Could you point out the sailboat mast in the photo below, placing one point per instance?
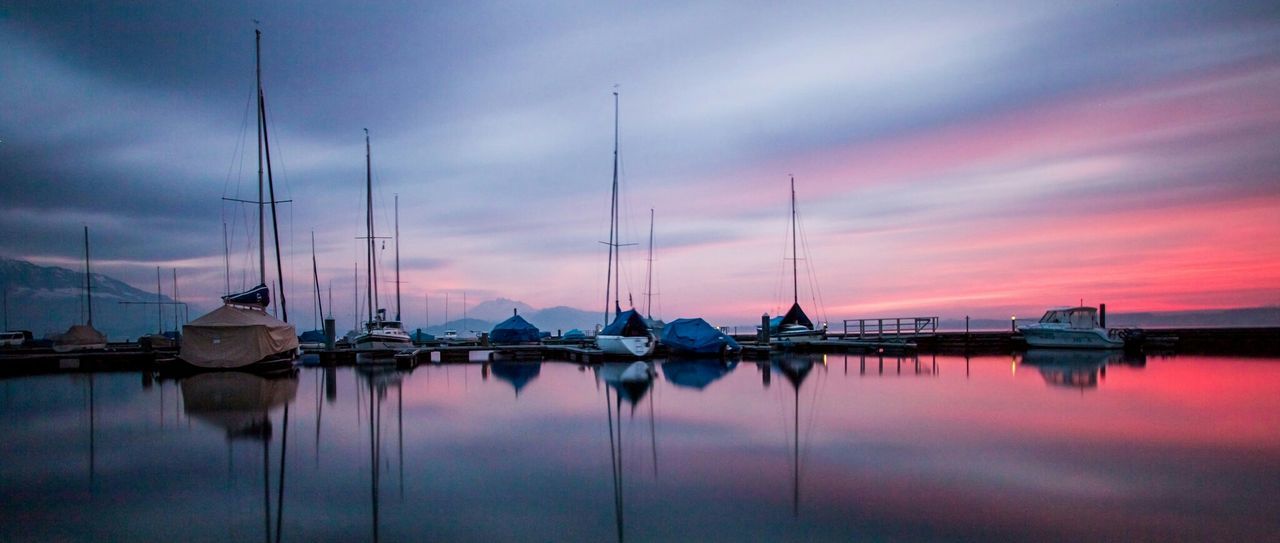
(315, 275)
(397, 257)
(159, 304)
(648, 274)
(88, 277)
(613, 214)
(368, 183)
(262, 236)
(275, 215)
(226, 257)
(795, 281)
(176, 327)
(617, 228)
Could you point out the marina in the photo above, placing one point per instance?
(873, 272)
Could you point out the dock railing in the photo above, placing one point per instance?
(893, 328)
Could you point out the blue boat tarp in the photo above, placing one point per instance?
(312, 336)
(574, 334)
(628, 324)
(515, 330)
(695, 336)
(421, 337)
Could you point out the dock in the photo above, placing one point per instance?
(1250, 341)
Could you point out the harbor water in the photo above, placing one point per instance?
(1047, 445)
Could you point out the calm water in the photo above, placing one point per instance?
(1049, 446)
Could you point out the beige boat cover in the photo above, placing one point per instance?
(234, 337)
(80, 335)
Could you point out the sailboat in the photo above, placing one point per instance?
(794, 324)
(241, 335)
(380, 335)
(628, 334)
(82, 337)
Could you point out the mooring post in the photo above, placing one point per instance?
(763, 336)
(330, 333)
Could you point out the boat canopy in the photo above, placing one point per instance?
(81, 334)
(795, 315)
(232, 337)
(419, 336)
(628, 324)
(574, 334)
(259, 296)
(695, 336)
(514, 330)
(1074, 317)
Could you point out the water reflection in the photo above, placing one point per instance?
(824, 453)
(517, 374)
(697, 373)
(1078, 368)
(796, 368)
(240, 404)
(380, 379)
(629, 382)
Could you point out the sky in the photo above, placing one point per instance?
(950, 159)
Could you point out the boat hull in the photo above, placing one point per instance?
(1059, 338)
(626, 345)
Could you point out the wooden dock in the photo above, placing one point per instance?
(1259, 341)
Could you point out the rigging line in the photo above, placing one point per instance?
(238, 153)
(815, 293)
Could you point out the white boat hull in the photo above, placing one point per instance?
(626, 345)
(1060, 338)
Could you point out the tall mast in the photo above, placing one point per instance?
(617, 232)
(159, 304)
(175, 300)
(262, 239)
(613, 214)
(315, 276)
(275, 215)
(88, 277)
(368, 184)
(795, 281)
(397, 257)
(648, 274)
(226, 257)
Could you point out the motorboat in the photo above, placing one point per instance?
(1071, 327)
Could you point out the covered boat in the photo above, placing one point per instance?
(515, 330)
(627, 335)
(696, 337)
(233, 337)
(80, 337)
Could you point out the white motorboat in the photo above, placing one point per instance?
(1071, 327)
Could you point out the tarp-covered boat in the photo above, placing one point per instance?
(696, 337)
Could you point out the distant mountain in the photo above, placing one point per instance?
(49, 299)
(563, 318)
(498, 310)
(482, 318)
